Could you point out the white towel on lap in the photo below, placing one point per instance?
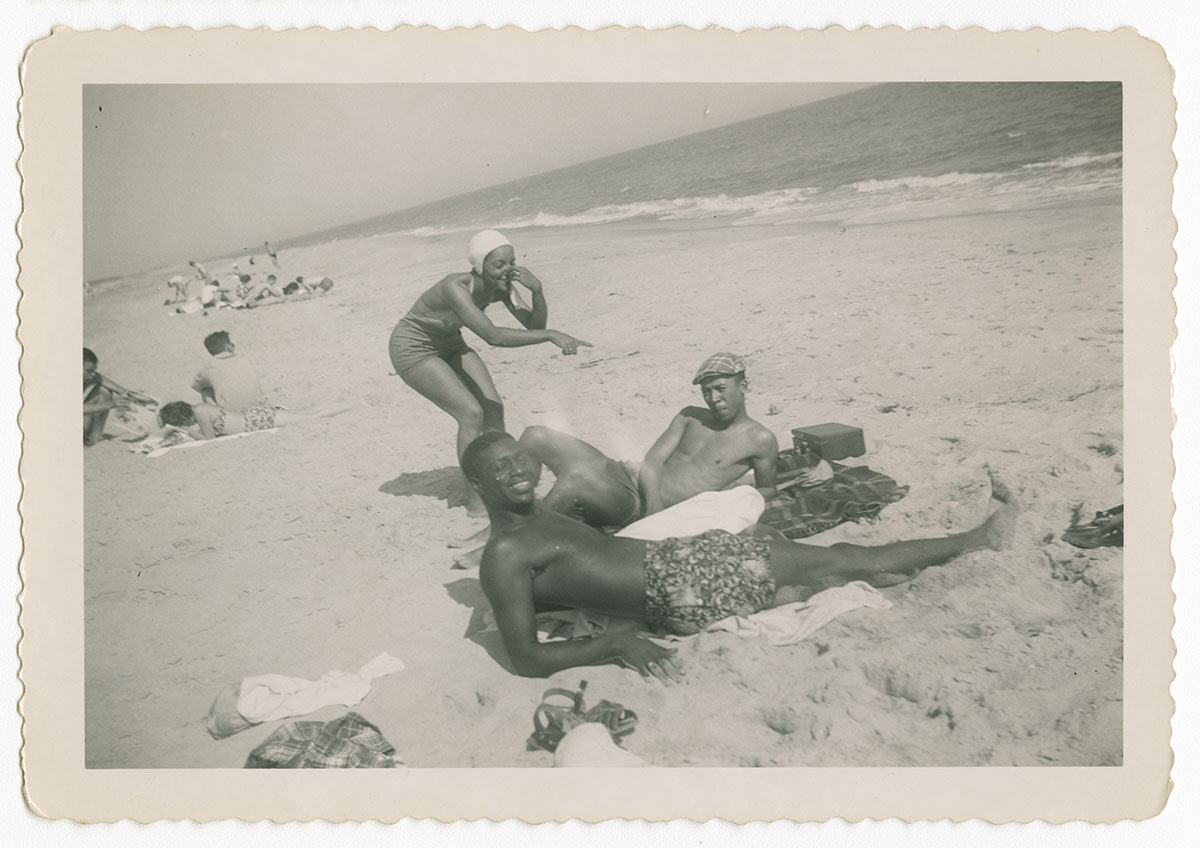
(732, 510)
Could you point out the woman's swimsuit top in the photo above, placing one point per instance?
(442, 321)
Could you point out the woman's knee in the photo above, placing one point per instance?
(470, 418)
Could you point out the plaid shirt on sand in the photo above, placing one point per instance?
(347, 742)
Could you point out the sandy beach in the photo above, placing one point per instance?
(957, 344)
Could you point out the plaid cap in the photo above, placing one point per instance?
(720, 365)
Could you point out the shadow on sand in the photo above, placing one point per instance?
(467, 592)
(442, 483)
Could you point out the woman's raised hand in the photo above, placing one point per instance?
(522, 275)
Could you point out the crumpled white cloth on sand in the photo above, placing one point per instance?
(270, 697)
(791, 623)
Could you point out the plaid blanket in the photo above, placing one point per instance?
(856, 493)
(347, 742)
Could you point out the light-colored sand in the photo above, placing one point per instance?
(991, 340)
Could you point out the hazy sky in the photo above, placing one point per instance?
(176, 172)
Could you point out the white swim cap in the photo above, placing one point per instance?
(481, 244)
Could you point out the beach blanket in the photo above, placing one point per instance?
(784, 625)
(855, 493)
(270, 697)
(347, 742)
(172, 437)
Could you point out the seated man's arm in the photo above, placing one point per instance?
(505, 576)
(650, 474)
(204, 386)
(766, 454)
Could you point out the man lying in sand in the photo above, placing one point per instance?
(704, 449)
(206, 421)
(536, 556)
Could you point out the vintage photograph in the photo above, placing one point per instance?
(755, 414)
(583, 424)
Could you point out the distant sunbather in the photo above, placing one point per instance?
(205, 421)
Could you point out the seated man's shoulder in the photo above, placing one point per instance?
(700, 414)
(761, 437)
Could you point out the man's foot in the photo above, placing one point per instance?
(1000, 528)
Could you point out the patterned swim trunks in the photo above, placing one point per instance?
(694, 581)
(258, 418)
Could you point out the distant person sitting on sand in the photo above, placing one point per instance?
(100, 396)
(205, 421)
(703, 450)
(675, 585)
(427, 347)
(228, 380)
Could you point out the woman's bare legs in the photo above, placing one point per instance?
(458, 391)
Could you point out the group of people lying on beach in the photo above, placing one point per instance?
(245, 291)
(232, 401)
(560, 550)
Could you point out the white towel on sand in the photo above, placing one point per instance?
(156, 446)
(270, 697)
(790, 623)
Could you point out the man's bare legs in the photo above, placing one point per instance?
(795, 564)
(586, 482)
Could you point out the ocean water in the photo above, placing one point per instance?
(890, 152)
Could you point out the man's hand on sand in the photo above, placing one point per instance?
(648, 659)
(568, 344)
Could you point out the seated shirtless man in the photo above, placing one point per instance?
(536, 556)
(705, 449)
